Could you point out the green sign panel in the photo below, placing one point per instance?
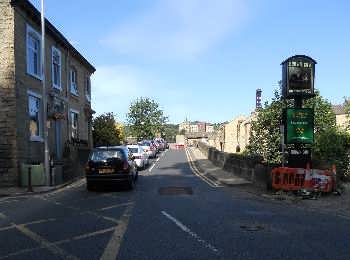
(300, 126)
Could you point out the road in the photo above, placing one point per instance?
(171, 214)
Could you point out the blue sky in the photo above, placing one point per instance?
(203, 59)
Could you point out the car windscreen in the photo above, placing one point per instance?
(102, 155)
(146, 144)
(133, 149)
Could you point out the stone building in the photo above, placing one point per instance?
(67, 75)
(237, 133)
(340, 114)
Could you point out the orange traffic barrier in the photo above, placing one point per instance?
(293, 179)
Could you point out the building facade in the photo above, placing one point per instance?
(340, 114)
(68, 87)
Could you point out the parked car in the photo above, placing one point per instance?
(161, 144)
(149, 148)
(140, 156)
(111, 165)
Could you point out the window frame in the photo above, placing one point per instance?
(59, 85)
(36, 138)
(31, 32)
(71, 112)
(75, 92)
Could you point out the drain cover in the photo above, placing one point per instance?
(251, 228)
(175, 190)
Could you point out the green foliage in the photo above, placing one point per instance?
(332, 146)
(104, 131)
(265, 139)
(347, 111)
(146, 119)
(170, 132)
(324, 115)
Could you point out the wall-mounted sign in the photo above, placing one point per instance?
(298, 74)
(299, 125)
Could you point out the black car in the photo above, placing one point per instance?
(110, 165)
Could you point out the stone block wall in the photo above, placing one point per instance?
(250, 168)
(8, 144)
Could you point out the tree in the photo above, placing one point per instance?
(145, 118)
(265, 138)
(170, 132)
(104, 131)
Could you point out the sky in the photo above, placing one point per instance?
(203, 59)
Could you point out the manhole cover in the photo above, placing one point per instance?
(251, 228)
(175, 190)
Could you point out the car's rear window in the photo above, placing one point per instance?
(102, 155)
(133, 149)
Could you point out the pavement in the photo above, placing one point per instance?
(208, 169)
(173, 213)
(23, 191)
(327, 203)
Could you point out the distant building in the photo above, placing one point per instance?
(209, 128)
(194, 128)
(340, 114)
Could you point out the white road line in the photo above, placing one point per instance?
(112, 249)
(44, 243)
(196, 172)
(116, 206)
(150, 169)
(191, 233)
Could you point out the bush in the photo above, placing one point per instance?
(332, 146)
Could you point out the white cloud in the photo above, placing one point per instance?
(114, 87)
(177, 28)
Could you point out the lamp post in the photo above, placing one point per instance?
(43, 79)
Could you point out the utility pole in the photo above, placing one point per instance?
(43, 78)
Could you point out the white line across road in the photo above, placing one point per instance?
(196, 172)
(154, 163)
(191, 233)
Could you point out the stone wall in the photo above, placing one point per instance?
(250, 168)
(8, 144)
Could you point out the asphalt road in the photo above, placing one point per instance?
(171, 214)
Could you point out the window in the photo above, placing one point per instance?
(34, 107)
(88, 89)
(33, 53)
(73, 82)
(74, 123)
(56, 68)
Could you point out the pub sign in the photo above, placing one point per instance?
(299, 125)
(298, 73)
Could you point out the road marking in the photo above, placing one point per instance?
(45, 243)
(116, 206)
(196, 172)
(150, 169)
(191, 233)
(28, 250)
(112, 249)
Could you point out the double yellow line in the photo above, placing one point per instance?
(198, 173)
